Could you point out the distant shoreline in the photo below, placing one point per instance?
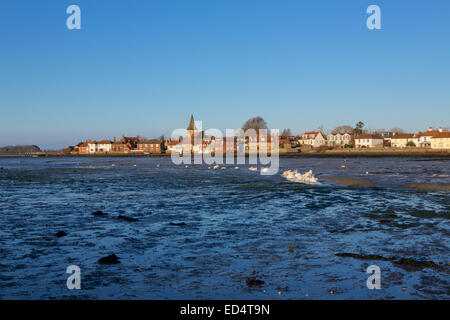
(324, 154)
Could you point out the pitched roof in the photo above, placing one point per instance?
(445, 134)
(428, 133)
(191, 124)
(150, 141)
(104, 142)
(403, 136)
(340, 133)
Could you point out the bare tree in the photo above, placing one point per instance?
(397, 130)
(256, 123)
(321, 128)
(286, 132)
(342, 129)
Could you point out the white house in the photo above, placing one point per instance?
(314, 139)
(340, 139)
(441, 140)
(101, 146)
(424, 139)
(368, 141)
(92, 147)
(401, 140)
(104, 146)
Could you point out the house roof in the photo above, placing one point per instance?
(445, 134)
(403, 136)
(130, 139)
(104, 142)
(314, 134)
(428, 133)
(342, 134)
(150, 141)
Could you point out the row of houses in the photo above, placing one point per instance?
(126, 145)
(434, 139)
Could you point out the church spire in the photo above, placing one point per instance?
(191, 126)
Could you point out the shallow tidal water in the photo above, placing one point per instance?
(239, 224)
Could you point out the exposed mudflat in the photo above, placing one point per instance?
(144, 228)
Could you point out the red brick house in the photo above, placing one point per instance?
(83, 148)
(150, 146)
(124, 145)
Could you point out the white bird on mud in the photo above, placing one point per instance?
(216, 166)
(223, 168)
(253, 169)
(295, 176)
(236, 168)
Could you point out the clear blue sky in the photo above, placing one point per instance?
(142, 67)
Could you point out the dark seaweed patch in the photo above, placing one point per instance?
(404, 262)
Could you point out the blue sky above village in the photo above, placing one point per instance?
(142, 67)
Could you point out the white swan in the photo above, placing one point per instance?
(295, 176)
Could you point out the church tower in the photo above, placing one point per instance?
(191, 128)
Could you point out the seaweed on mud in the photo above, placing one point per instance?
(404, 262)
(349, 230)
(379, 214)
(417, 264)
(252, 282)
(362, 257)
(426, 214)
(388, 218)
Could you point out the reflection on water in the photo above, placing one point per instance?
(238, 224)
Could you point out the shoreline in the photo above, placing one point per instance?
(325, 154)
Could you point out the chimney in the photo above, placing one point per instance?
(114, 139)
(430, 128)
(440, 129)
